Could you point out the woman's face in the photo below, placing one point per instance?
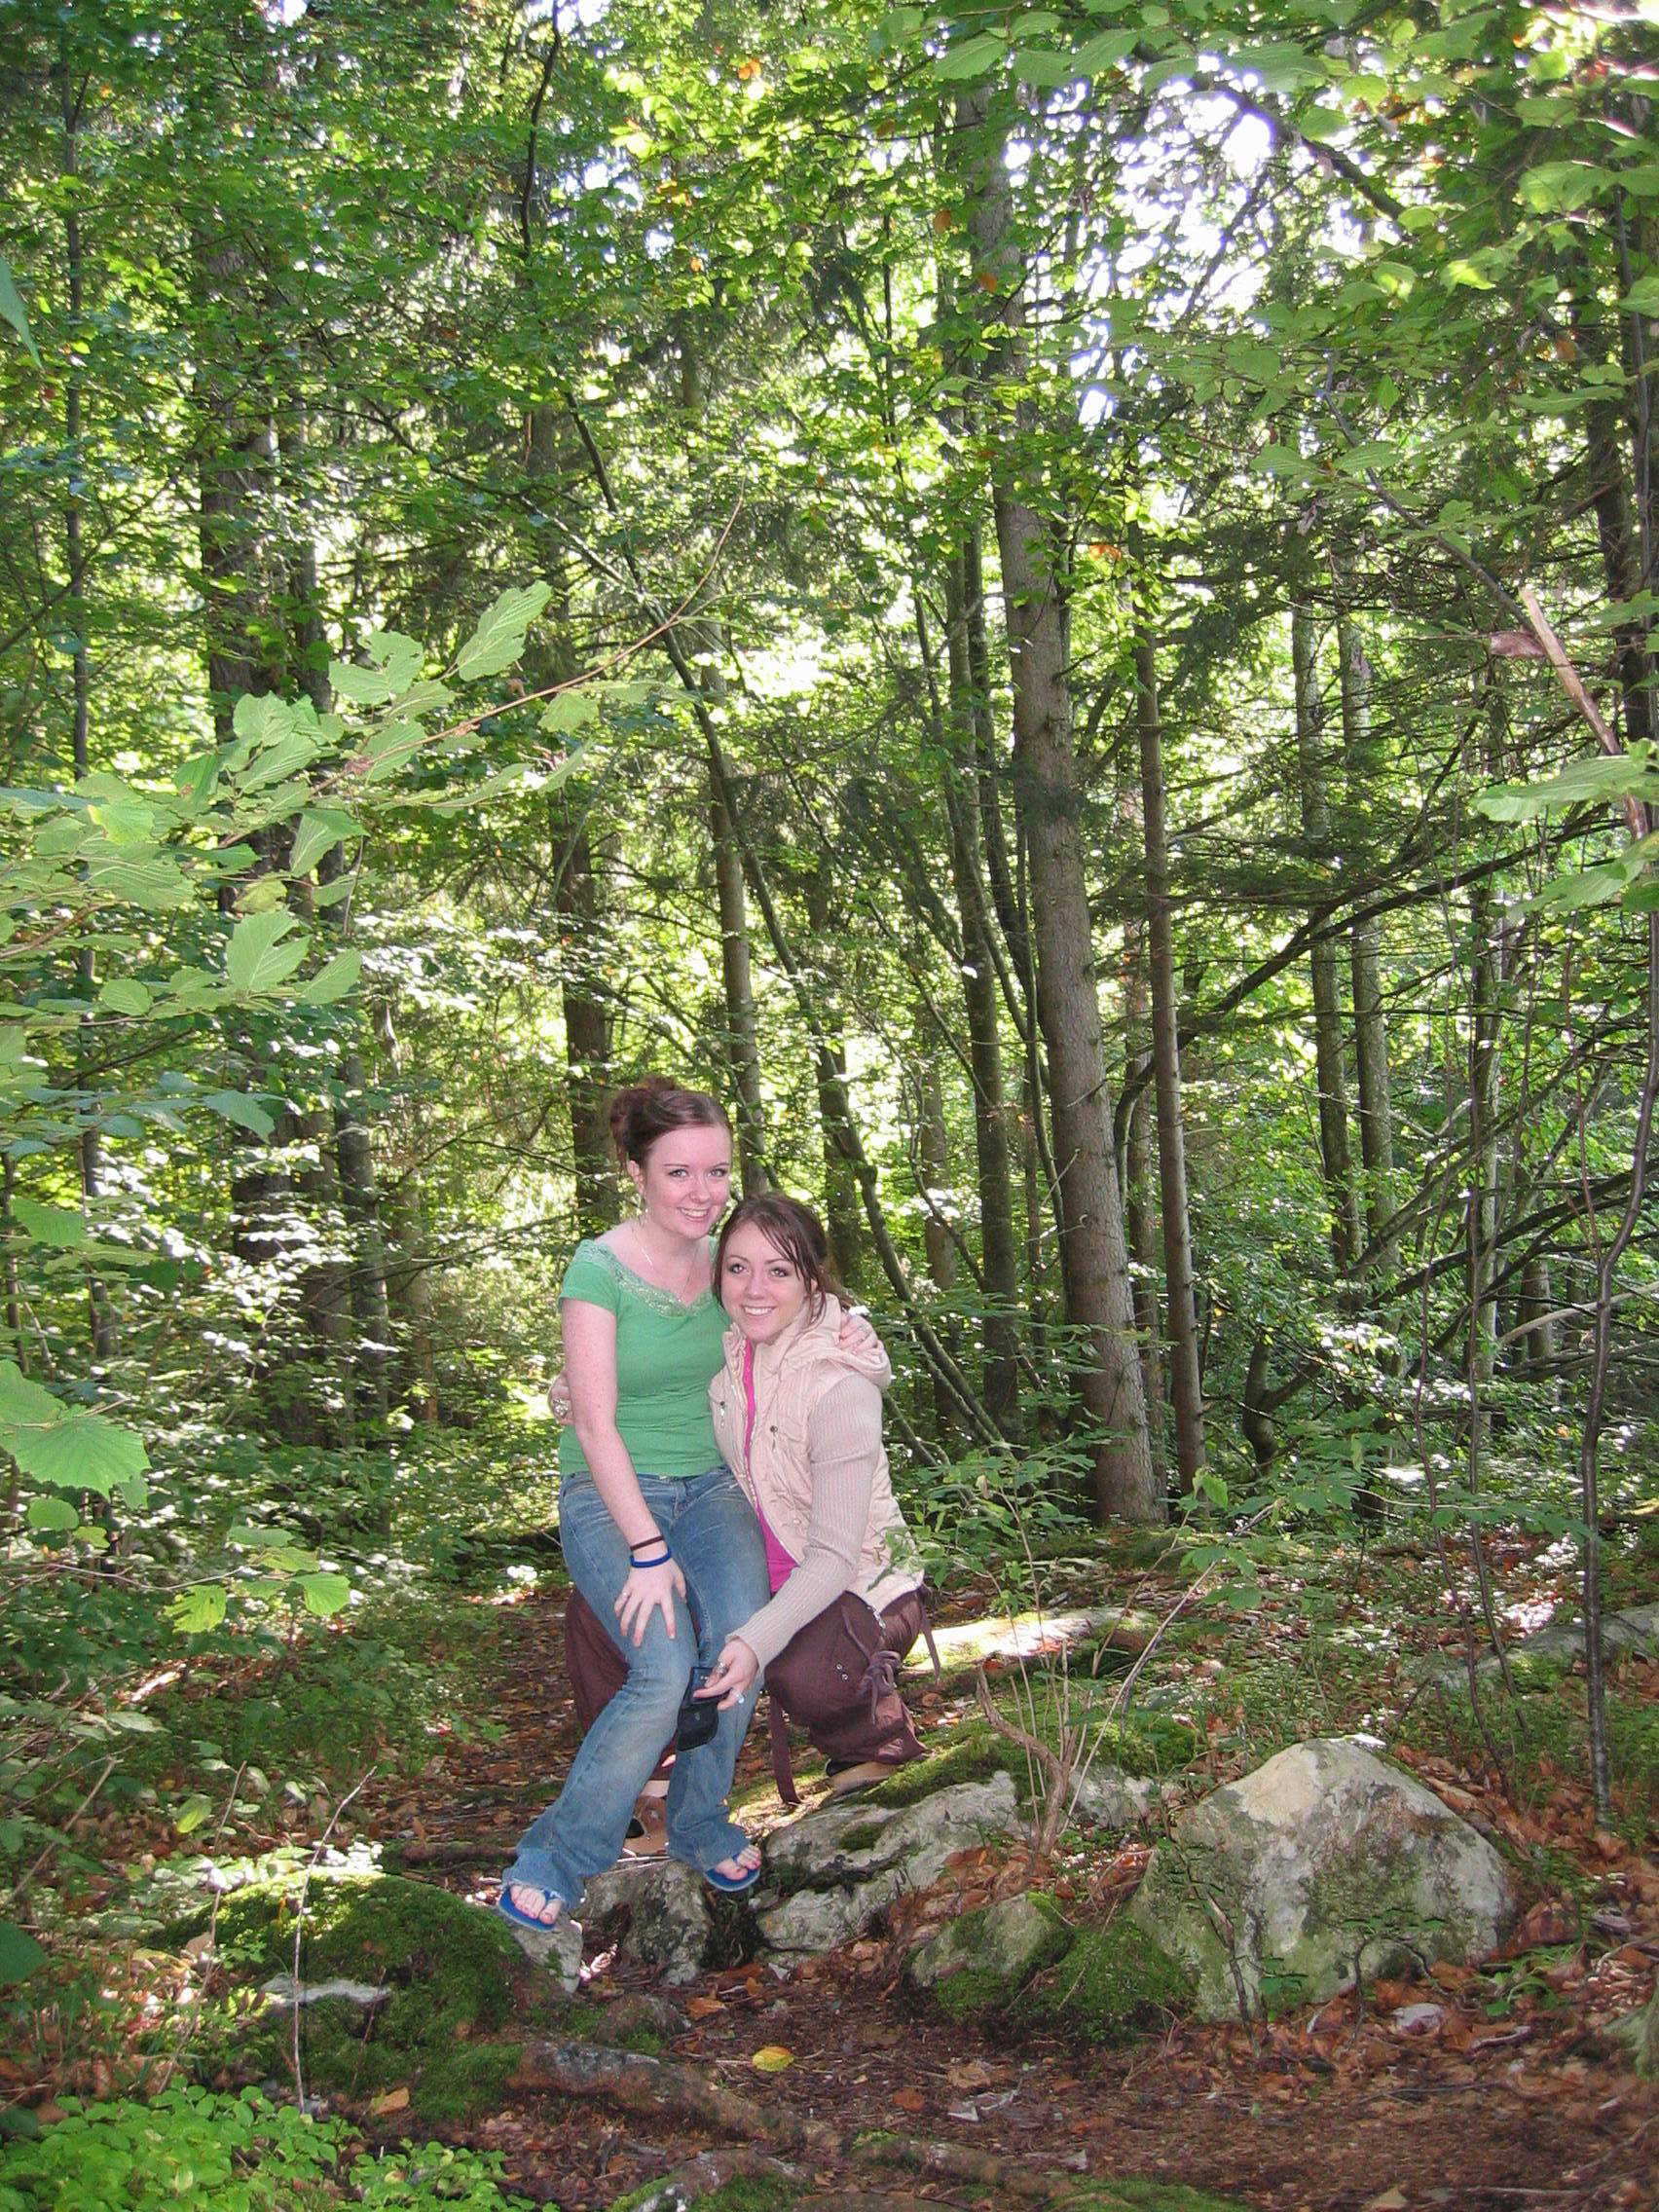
(686, 1181)
(762, 1289)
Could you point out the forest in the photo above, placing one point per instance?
(1057, 603)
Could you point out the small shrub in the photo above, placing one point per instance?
(188, 2151)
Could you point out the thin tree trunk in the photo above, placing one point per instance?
(1185, 1389)
(1362, 766)
(1093, 1255)
(742, 1038)
(998, 1249)
(1139, 1199)
(933, 1146)
(829, 1057)
(1329, 1073)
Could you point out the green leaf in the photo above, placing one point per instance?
(395, 662)
(321, 828)
(498, 640)
(195, 1611)
(14, 311)
(568, 712)
(59, 1226)
(125, 994)
(973, 57)
(19, 1954)
(1597, 886)
(325, 1594)
(65, 1445)
(1633, 774)
(1033, 66)
(256, 959)
(237, 1106)
(1555, 188)
(192, 1814)
(55, 1514)
(261, 720)
(1643, 297)
(334, 979)
(1099, 55)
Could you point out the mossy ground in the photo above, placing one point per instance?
(1112, 1983)
(455, 1976)
(744, 2194)
(1138, 2195)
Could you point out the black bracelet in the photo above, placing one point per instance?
(645, 1543)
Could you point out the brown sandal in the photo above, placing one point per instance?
(648, 1831)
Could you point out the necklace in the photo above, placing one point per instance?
(656, 1269)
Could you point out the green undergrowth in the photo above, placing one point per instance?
(1149, 1744)
(455, 1979)
(192, 2151)
(1542, 1734)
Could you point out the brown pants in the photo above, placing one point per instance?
(831, 1676)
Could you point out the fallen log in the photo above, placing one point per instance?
(647, 2086)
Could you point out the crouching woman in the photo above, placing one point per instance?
(798, 1416)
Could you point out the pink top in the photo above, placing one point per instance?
(779, 1565)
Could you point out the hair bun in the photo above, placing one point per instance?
(646, 1110)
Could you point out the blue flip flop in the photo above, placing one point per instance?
(505, 1907)
(731, 1885)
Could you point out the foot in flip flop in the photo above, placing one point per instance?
(527, 1907)
(737, 1874)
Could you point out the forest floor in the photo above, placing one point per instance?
(1501, 2097)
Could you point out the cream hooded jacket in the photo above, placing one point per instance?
(817, 1470)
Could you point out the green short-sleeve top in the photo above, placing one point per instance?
(667, 1355)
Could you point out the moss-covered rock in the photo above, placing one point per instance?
(1136, 2193)
(1322, 1865)
(453, 1979)
(984, 1959)
(1111, 1984)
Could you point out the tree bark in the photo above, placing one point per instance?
(1329, 1072)
(1362, 767)
(1093, 1255)
(1186, 1388)
(1138, 1195)
(998, 1249)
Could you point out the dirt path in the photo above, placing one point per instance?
(1340, 2112)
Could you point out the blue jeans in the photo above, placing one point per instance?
(713, 1532)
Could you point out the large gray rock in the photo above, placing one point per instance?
(1324, 1865)
(830, 1874)
(1001, 1945)
(1107, 1798)
(656, 1912)
(1559, 1646)
(559, 1948)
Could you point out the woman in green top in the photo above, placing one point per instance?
(646, 1509)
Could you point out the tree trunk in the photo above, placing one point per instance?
(841, 1182)
(1138, 1194)
(998, 1249)
(934, 1147)
(90, 1147)
(1181, 1317)
(1362, 766)
(1093, 1255)
(1329, 1072)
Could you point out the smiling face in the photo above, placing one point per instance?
(685, 1180)
(760, 1287)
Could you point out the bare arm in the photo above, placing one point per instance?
(590, 1367)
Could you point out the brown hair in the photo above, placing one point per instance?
(796, 1233)
(648, 1110)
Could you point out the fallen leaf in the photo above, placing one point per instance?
(772, 2058)
(909, 2100)
(395, 2100)
(1390, 2200)
(703, 2008)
